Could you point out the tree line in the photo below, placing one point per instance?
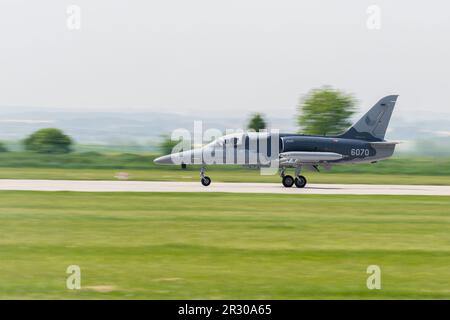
(323, 111)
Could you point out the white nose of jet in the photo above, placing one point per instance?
(187, 157)
(164, 160)
(181, 157)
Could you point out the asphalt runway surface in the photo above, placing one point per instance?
(157, 186)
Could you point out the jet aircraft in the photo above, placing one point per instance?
(362, 143)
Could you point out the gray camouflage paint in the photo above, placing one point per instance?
(363, 142)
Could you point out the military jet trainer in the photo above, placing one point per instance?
(362, 143)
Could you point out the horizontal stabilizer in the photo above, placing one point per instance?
(311, 156)
(384, 149)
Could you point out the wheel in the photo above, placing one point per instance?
(300, 182)
(206, 181)
(288, 181)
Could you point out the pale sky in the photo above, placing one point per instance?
(223, 57)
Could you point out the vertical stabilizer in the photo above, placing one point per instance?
(373, 125)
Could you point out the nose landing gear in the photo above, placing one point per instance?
(205, 180)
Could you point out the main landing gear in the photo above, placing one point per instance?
(205, 180)
(288, 181)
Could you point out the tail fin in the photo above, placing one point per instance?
(373, 125)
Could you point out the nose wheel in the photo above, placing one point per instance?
(205, 180)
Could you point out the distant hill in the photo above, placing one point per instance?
(114, 128)
(143, 129)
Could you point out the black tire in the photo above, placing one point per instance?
(206, 181)
(300, 182)
(288, 181)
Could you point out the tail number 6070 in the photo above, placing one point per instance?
(360, 152)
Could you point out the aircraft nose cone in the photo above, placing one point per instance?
(164, 160)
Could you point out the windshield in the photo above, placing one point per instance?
(231, 139)
(216, 143)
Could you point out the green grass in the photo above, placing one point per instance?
(97, 166)
(223, 246)
(143, 161)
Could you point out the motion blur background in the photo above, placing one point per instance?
(137, 69)
(108, 80)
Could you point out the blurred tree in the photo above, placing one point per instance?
(257, 122)
(48, 140)
(166, 147)
(325, 111)
(3, 147)
(167, 144)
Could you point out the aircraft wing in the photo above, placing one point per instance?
(308, 157)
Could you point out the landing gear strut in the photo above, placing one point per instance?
(205, 180)
(300, 181)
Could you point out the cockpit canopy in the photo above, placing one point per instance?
(235, 139)
(238, 139)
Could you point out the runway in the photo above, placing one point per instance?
(274, 188)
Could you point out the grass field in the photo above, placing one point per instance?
(97, 166)
(223, 246)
